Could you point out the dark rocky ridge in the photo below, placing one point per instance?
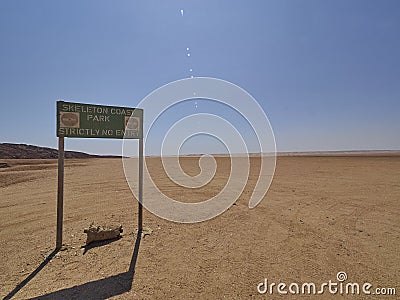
(23, 151)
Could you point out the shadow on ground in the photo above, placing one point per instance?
(31, 276)
(98, 244)
(99, 289)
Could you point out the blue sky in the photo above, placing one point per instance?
(326, 73)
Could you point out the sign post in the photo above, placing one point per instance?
(140, 212)
(79, 120)
(60, 192)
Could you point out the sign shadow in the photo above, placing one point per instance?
(32, 275)
(99, 289)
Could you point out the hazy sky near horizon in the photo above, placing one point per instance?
(326, 73)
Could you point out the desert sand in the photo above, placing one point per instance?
(321, 216)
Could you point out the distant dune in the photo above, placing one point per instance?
(372, 153)
(343, 153)
(23, 151)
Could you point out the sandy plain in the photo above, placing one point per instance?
(321, 216)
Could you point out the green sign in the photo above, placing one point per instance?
(80, 120)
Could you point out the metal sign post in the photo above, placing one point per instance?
(140, 212)
(60, 192)
(79, 120)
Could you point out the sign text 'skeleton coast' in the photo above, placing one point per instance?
(97, 121)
